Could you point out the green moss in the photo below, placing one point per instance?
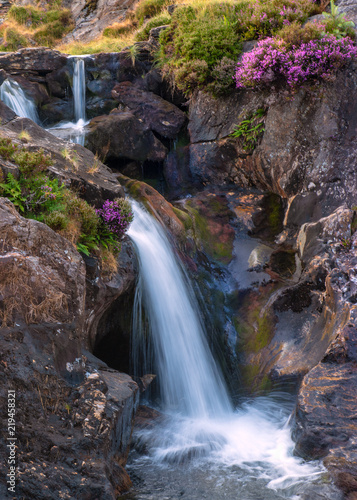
(184, 218)
(149, 8)
(253, 379)
(160, 20)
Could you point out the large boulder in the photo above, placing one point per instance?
(308, 143)
(161, 116)
(73, 164)
(38, 59)
(121, 135)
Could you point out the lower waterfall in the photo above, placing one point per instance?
(203, 448)
(13, 96)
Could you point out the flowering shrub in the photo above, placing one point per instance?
(116, 216)
(263, 18)
(273, 60)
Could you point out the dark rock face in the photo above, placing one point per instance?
(122, 135)
(161, 116)
(306, 140)
(74, 416)
(32, 59)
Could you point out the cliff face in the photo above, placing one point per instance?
(73, 415)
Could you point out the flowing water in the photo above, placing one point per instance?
(13, 96)
(203, 448)
(75, 131)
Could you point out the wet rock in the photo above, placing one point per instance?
(313, 237)
(156, 204)
(122, 135)
(159, 115)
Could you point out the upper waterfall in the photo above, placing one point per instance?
(190, 381)
(13, 96)
(79, 88)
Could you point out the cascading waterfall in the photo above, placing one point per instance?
(79, 89)
(189, 379)
(13, 96)
(75, 131)
(201, 426)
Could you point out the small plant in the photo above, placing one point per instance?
(337, 24)
(24, 136)
(133, 52)
(116, 216)
(251, 130)
(96, 164)
(12, 190)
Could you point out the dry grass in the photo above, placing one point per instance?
(27, 293)
(101, 44)
(109, 264)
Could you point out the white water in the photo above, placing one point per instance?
(75, 131)
(251, 442)
(79, 89)
(13, 96)
(189, 380)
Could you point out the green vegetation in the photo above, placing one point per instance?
(250, 130)
(28, 26)
(38, 196)
(160, 20)
(337, 24)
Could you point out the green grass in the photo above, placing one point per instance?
(27, 25)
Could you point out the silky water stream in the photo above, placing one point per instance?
(75, 131)
(203, 447)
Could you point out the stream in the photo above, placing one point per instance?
(203, 447)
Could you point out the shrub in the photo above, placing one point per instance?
(13, 39)
(191, 75)
(160, 20)
(222, 75)
(56, 220)
(149, 8)
(294, 34)
(273, 60)
(116, 216)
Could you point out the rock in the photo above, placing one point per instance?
(160, 116)
(39, 59)
(34, 90)
(122, 135)
(74, 416)
(56, 111)
(314, 146)
(49, 275)
(349, 8)
(92, 17)
(313, 237)
(156, 204)
(74, 165)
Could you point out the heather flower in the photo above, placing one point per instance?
(273, 60)
(116, 216)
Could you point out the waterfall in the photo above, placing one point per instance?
(75, 131)
(79, 89)
(13, 96)
(190, 381)
(217, 451)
